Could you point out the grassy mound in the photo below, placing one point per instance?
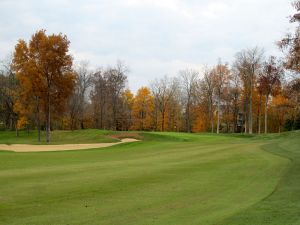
(58, 137)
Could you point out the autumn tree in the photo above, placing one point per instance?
(202, 108)
(260, 92)
(44, 67)
(290, 45)
(293, 93)
(269, 80)
(143, 107)
(280, 108)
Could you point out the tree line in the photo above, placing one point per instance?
(41, 88)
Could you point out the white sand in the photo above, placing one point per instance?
(65, 147)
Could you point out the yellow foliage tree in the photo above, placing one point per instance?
(280, 110)
(143, 107)
(202, 121)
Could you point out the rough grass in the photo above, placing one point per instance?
(168, 178)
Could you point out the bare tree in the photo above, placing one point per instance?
(235, 93)
(220, 77)
(209, 89)
(106, 96)
(248, 63)
(99, 97)
(163, 91)
(188, 80)
(8, 84)
(78, 100)
(117, 79)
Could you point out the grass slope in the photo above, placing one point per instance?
(57, 137)
(168, 178)
(281, 207)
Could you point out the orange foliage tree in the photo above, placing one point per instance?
(279, 110)
(44, 69)
(143, 106)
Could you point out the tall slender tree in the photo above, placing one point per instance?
(248, 63)
(269, 81)
(208, 86)
(221, 75)
(189, 81)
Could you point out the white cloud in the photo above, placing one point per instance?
(154, 37)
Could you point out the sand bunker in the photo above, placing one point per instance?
(66, 147)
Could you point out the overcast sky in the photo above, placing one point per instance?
(153, 37)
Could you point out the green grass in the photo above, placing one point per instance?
(57, 137)
(169, 178)
(282, 206)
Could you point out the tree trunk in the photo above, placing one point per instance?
(39, 128)
(38, 119)
(48, 119)
(11, 123)
(259, 114)
(188, 125)
(218, 125)
(266, 114)
(250, 109)
(235, 122)
(295, 113)
(39, 132)
(115, 122)
(212, 124)
(211, 117)
(156, 119)
(163, 121)
(245, 124)
(82, 111)
(101, 118)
